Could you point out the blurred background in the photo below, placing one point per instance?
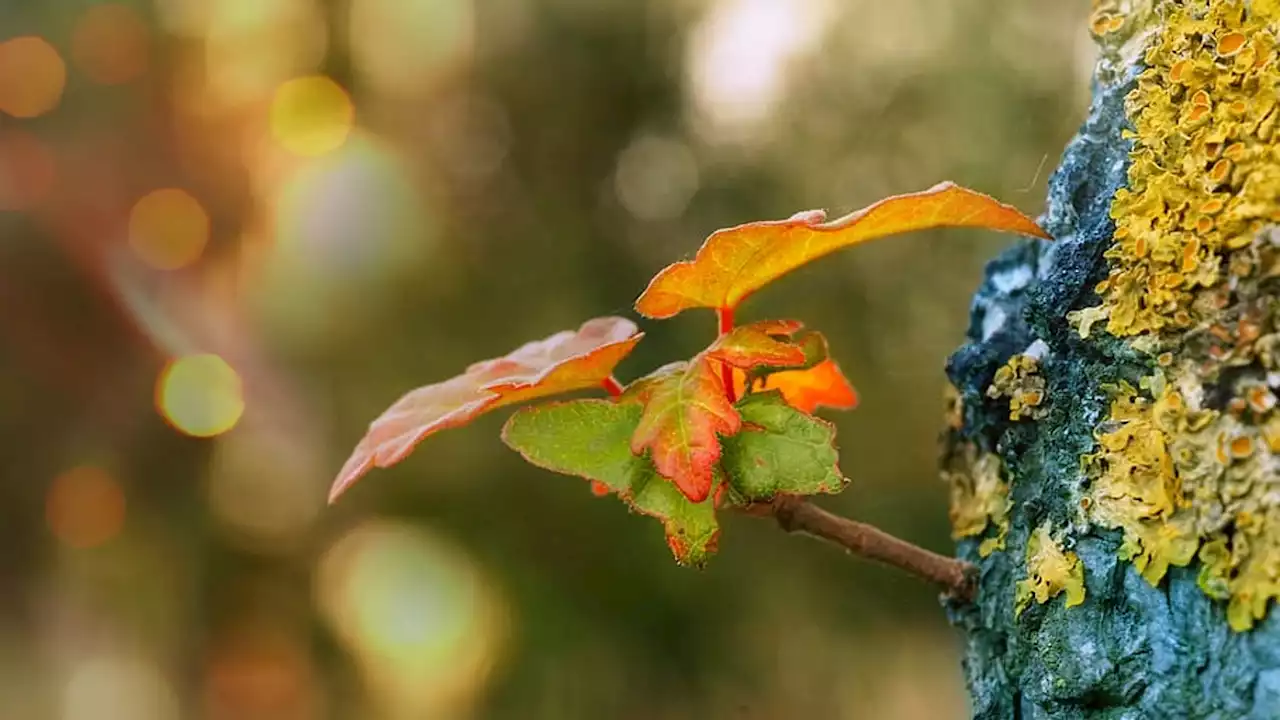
(233, 231)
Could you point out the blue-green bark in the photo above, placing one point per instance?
(1131, 649)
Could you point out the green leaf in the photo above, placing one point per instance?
(591, 439)
(780, 450)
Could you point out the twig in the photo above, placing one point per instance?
(796, 515)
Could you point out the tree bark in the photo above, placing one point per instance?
(1113, 446)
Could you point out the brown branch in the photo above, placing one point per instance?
(797, 515)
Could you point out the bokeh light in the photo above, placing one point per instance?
(470, 134)
(109, 44)
(401, 46)
(349, 213)
(32, 77)
(27, 170)
(85, 507)
(255, 672)
(262, 491)
(342, 225)
(252, 46)
(739, 58)
(311, 115)
(656, 178)
(168, 228)
(118, 688)
(200, 395)
(415, 612)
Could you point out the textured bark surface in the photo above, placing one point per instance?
(1081, 611)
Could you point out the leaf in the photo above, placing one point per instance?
(764, 343)
(735, 262)
(592, 439)
(780, 450)
(686, 408)
(685, 411)
(823, 385)
(813, 350)
(817, 382)
(566, 361)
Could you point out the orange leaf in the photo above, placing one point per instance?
(735, 262)
(809, 379)
(822, 385)
(760, 343)
(685, 412)
(564, 362)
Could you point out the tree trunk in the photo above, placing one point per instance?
(1113, 445)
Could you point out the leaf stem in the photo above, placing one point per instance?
(797, 515)
(612, 386)
(724, 318)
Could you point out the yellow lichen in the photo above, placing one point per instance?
(1204, 169)
(1020, 380)
(1178, 478)
(1136, 487)
(1188, 464)
(1120, 28)
(1051, 571)
(979, 495)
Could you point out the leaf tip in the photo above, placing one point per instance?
(656, 303)
(695, 490)
(693, 475)
(344, 481)
(334, 493)
(693, 554)
(1017, 222)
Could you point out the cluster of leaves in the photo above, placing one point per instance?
(730, 427)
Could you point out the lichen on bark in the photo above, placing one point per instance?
(1150, 461)
(1051, 571)
(979, 496)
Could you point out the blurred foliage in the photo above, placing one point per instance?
(483, 172)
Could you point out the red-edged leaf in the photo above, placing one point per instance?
(685, 412)
(761, 343)
(814, 381)
(736, 262)
(566, 361)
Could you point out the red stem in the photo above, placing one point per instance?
(612, 386)
(724, 316)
